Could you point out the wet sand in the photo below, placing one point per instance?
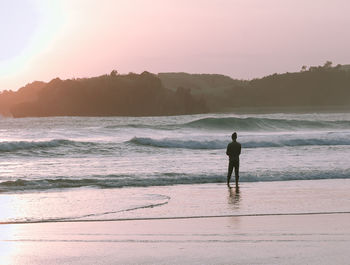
(299, 239)
(297, 222)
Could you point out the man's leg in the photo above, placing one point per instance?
(237, 172)
(229, 173)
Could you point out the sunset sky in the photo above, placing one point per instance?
(44, 39)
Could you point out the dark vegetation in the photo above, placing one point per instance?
(107, 95)
(317, 88)
(213, 88)
(28, 93)
(147, 94)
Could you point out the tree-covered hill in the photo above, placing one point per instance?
(212, 87)
(107, 95)
(323, 87)
(318, 87)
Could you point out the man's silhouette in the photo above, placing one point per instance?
(233, 151)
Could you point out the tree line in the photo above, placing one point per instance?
(107, 95)
(322, 86)
(147, 94)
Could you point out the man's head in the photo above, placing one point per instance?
(234, 136)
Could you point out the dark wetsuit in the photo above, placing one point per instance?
(233, 151)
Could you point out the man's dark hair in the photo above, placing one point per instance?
(234, 136)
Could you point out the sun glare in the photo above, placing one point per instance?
(28, 27)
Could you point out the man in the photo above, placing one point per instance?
(233, 151)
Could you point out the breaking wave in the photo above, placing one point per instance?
(254, 143)
(10, 146)
(254, 124)
(243, 124)
(174, 143)
(115, 181)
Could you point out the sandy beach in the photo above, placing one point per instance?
(307, 239)
(260, 225)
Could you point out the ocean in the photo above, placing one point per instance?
(68, 168)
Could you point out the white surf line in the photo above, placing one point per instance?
(170, 218)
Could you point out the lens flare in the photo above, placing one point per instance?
(29, 28)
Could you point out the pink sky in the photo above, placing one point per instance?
(44, 39)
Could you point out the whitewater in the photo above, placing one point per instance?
(58, 153)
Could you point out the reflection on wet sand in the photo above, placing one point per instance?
(234, 197)
(9, 249)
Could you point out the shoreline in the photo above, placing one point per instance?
(185, 201)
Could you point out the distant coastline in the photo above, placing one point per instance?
(322, 89)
